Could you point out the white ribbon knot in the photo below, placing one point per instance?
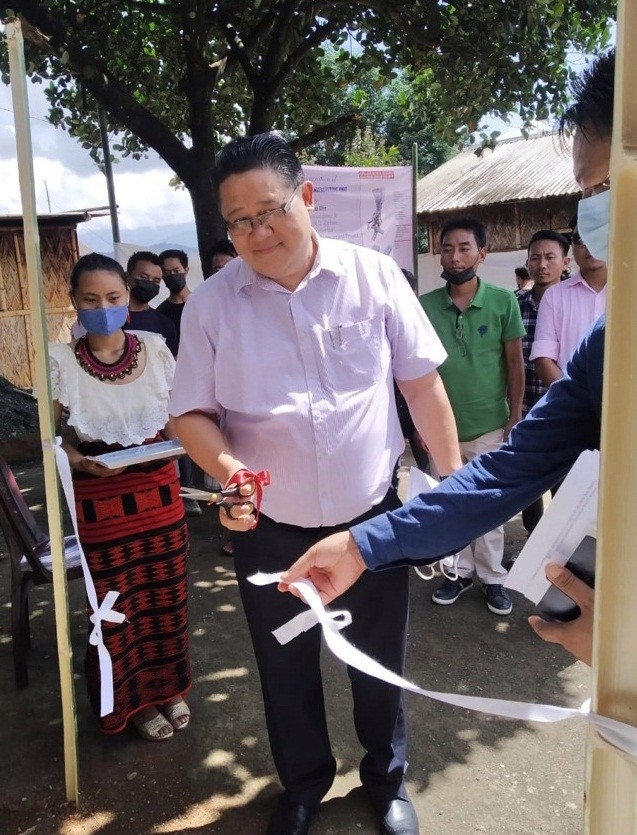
(618, 734)
(333, 620)
(102, 612)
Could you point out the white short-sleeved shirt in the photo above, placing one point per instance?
(303, 380)
(126, 413)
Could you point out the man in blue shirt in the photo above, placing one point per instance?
(540, 450)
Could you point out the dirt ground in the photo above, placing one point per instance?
(468, 773)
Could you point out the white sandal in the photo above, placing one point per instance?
(150, 728)
(174, 712)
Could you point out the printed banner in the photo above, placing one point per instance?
(370, 207)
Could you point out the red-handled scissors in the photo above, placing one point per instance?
(220, 498)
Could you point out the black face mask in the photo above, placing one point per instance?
(143, 290)
(460, 277)
(175, 282)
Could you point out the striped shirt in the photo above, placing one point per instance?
(534, 388)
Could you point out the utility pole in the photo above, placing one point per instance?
(108, 171)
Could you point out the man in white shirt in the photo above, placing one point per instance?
(286, 364)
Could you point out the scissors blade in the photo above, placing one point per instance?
(193, 493)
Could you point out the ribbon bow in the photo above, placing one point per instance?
(260, 479)
(100, 612)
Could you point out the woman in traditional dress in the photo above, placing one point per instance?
(116, 385)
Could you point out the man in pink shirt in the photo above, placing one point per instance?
(287, 363)
(566, 313)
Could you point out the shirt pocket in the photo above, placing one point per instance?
(352, 355)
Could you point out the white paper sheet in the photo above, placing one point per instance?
(571, 515)
(419, 482)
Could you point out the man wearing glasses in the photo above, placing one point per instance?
(286, 364)
(481, 329)
(567, 312)
(541, 449)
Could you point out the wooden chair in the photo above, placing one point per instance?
(30, 555)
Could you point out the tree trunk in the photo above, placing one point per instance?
(208, 222)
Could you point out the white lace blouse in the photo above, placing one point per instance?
(126, 413)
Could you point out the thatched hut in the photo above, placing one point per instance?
(59, 251)
(519, 187)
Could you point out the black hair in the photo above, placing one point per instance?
(136, 257)
(174, 253)
(522, 273)
(470, 224)
(94, 261)
(265, 150)
(550, 235)
(593, 93)
(222, 248)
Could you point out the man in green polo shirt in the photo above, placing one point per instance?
(481, 329)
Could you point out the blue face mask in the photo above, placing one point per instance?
(103, 320)
(593, 224)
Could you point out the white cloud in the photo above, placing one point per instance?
(73, 180)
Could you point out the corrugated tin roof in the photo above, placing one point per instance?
(517, 169)
(60, 219)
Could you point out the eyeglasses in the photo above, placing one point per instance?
(462, 345)
(576, 238)
(598, 188)
(245, 225)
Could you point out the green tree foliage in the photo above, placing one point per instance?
(366, 150)
(390, 120)
(181, 76)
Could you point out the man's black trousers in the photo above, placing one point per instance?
(291, 675)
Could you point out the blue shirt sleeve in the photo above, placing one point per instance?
(495, 486)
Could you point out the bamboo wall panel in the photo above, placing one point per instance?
(510, 226)
(14, 351)
(59, 251)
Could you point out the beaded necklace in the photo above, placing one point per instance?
(109, 370)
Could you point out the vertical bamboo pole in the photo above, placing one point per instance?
(43, 387)
(612, 779)
(414, 209)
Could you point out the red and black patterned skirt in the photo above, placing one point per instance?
(135, 538)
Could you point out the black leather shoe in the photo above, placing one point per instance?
(291, 818)
(398, 817)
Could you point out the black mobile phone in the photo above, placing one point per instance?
(555, 605)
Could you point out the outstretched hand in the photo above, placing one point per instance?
(333, 565)
(576, 636)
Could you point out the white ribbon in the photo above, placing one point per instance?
(448, 567)
(101, 612)
(616, 733)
